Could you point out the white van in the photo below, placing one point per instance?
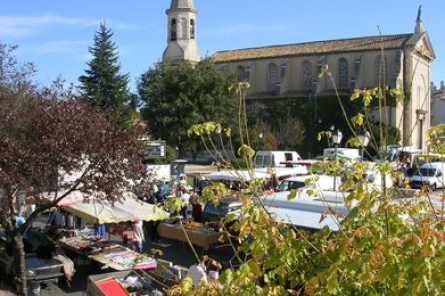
(351, 153)
(317, 182)
(430, 174)
(275, 158)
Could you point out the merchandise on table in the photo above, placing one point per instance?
(197, 233)
(166, 274)
(123, 283)
(84, 245)
(121, 258)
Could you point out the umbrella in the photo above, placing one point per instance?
(101, 211)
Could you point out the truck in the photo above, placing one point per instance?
(276, 158)
(430, 174)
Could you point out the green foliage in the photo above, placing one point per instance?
(290, 133)
(175, 97)
(174, 204)
(391, 133)
(374, 96)
(102, 84)
(315, 114)
(246, 151)
(436, 139)
(262, 137)
(239, 163)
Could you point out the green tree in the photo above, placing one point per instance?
(175, 97)
(261, 137)
(290, 133)
(102, 84)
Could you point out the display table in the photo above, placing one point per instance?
(121, 258)
(116, 257)
(202, 237)
(83, 245)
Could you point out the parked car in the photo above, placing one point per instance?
(214, 213)
(429, 174)
(36, 268)
(318, 182)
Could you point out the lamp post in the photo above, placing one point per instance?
(364, 141)
(336, 140)
(260, 136)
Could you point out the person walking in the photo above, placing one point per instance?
(196, 206)
(138, 236)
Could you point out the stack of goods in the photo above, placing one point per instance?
(127, 258)
(131, 285)
(85, 245)
(167, 273)
(195, 226)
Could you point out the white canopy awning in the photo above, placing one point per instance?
(102, 211)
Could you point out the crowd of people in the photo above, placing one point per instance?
(159, 192)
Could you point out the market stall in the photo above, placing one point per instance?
(98, 212)
(198, 234)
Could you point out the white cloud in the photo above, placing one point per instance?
(21, 26)
(64, 46)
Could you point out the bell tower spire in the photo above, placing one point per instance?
(181, 33)
(419, 24)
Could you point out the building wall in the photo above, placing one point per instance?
(404, 69)
(292, 67)
(418, 82)
(438, 104)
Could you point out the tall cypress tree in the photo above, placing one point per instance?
(102, 84)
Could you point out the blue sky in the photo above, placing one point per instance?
(55, 34)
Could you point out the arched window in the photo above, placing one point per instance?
(273, 78)
(173, 30)
(307, 75)
(192, 29)
(343, 78)
(381, 71)
(184, 28)
(242, 74)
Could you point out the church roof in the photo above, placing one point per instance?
(181, 4)
(314, 48)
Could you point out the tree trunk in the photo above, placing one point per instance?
(19, 265)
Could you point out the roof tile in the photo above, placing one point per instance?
(312, 48)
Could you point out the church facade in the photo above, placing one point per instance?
(437, 104)
(290, 71)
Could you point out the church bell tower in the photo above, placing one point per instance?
(181, 33)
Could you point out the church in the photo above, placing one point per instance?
(289, 71)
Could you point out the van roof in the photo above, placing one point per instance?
(433, 164)
(275, 151)
(306, 177)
